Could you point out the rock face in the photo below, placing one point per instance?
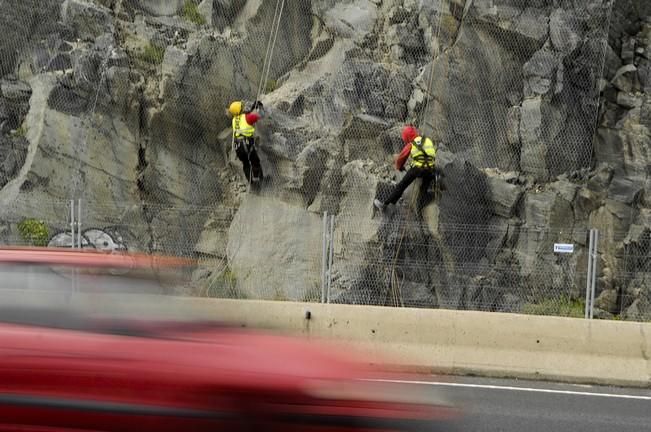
(161, 7)
(504, 194)
(24, 24)
(86, 19)
(13, 151)
(267, 233)
(14, 104)
(542, 126)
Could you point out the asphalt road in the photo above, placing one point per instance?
(525, 406)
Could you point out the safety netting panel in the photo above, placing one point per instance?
(510, 93)
(122, 105)
(518, 88)
(412, 265)
(622, 273)
(118, 108)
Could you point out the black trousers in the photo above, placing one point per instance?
(427, 174)
(247, 154)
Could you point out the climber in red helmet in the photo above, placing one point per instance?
(421, 152)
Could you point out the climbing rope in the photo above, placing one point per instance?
(428, 94)
(395, 290)
(264, 76)
(395, 285)
(266, 70)
(435, 55)
(271, 44)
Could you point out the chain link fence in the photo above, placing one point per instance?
(409, 264)
(622, 274)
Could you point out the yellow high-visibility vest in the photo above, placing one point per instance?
(423, 153)
(241, 128)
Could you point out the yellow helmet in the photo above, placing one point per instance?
(235, 108)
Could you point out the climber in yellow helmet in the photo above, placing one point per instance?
(243, 137)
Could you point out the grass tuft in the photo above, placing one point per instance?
(564, 306)
(192, 14)
(152, 54)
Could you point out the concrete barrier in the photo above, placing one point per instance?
(432, 340)
(465, 342)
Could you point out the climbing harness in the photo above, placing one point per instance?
(242, 130)
(425, 154)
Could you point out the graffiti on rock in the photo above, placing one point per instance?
(105, 240)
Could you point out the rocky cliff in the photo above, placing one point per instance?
(541, 109)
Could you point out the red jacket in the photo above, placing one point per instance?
(401, 159)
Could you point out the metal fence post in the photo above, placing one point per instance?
(588, 276)
(72, 224)
(324, 257)
(591, 279)
(594, 272)
(73, 273)
(79, 223)
(331, 255)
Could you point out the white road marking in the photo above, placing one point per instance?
(521, 389)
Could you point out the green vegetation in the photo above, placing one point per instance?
(564, 306)
(34, 232)
(228, 277)
(271, 85)
(21, 131)
(192, 14)
(152, 54)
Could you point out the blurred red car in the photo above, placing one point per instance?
(65, 369)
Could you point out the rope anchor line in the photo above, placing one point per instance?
(271, 44)
(395, 285)
(435, 55)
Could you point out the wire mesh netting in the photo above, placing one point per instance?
(121, 104)
(624, 274)
(461, 267)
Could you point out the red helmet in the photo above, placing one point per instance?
(409, 133)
